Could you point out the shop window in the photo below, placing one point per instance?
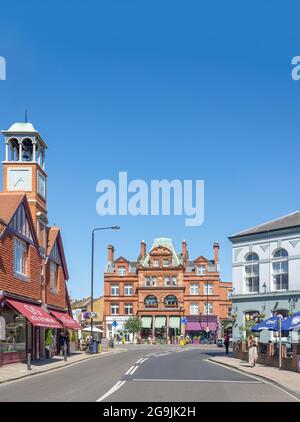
(14, 345)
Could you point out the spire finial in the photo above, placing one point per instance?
(25, 115)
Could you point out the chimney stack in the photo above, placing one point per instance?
(110, 253)
(184, 250)
(143, 248)
(216, 253)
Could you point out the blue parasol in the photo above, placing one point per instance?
(270, 324)
(291, 323)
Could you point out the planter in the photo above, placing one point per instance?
(72, 347)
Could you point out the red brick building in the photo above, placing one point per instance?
(33, 270)
(164, 287)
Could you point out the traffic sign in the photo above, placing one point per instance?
(183, 320)
(114, 324)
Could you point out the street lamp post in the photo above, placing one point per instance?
(207, 330)
(92, 272)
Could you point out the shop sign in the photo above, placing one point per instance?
(2, 328)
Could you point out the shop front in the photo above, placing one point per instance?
(202, 330)
(22, 330)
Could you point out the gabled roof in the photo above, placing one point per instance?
(9, 204)
(55, 236)
(201, 258)
(121, 259)
(166, 243)
(285, 222)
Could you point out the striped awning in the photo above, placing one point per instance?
(174, 322)
(160, 321)
(146, 321)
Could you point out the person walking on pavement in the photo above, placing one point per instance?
(62, 343)
(226, 342)
(252, 350)
(67, 340)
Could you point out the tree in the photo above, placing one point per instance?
(133, 325)
(247, 328)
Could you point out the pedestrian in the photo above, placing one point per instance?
(252, 350)
(67, 340)
(226, 342)
(62, 343)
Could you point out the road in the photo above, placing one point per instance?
(146, 373)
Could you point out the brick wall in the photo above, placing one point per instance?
(30, 288)
(57, 298)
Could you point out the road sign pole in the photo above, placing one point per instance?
(280, 345)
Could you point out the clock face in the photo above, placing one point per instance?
(41, 185)
(19, 179)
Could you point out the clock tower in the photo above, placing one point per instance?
(24, 171)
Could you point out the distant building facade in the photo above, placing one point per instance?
(81, 310)
(266, 271)
(164, 287)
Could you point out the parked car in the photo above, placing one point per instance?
(220, 342)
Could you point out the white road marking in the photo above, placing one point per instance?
(264, 381)
(129, 370)
(134, 369)
(162, 354)
(139, 360)
(142, 361)
(116, 387)
(204, 381)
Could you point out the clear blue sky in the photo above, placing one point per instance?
(161, 89)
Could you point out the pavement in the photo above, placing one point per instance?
(17, 371)
(287, 379)
(147, 373)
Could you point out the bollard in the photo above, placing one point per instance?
(29, 361)
(65, 352)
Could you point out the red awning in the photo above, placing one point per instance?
(34, 313)
(66, 320)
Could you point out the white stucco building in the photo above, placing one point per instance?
(266, 270)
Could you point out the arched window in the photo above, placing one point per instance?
(252, 273)
(280, 270)
(171, 301)
(280, 253)
(252, 257)
(150, 301)
(14, 149)
(27, 150)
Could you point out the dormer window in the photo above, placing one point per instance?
(121, 271)
(155, 263)
(166, 263)
(201, 269)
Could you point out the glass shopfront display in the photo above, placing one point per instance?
(13, 347)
